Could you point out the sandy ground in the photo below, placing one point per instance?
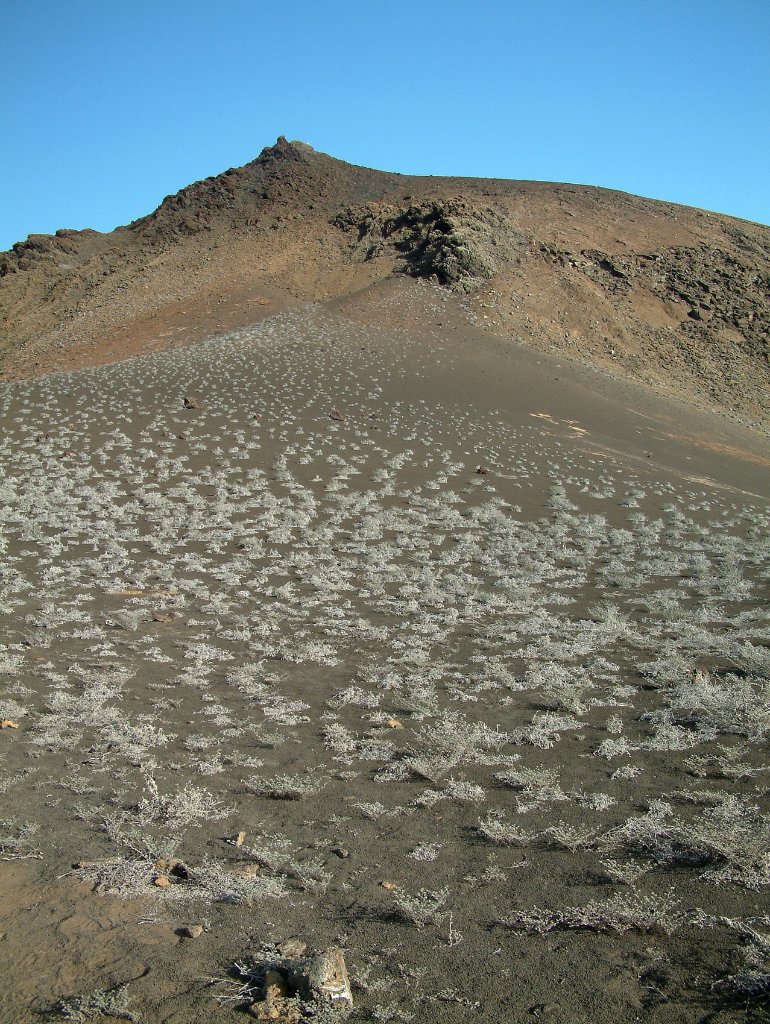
(470, 641)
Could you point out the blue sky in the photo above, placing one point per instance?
(109, 105)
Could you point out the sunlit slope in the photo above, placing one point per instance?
(670, 296)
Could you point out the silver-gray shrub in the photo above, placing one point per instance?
(423, 907)
(732, 704)
(623, 912)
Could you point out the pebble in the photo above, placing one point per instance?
(275, 985)
(246, 870)
(292, 948)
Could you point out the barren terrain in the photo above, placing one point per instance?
(673, 297)
(338, 615)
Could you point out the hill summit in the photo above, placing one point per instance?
(675, 297)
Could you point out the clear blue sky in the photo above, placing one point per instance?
(109, 105)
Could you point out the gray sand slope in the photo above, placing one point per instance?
(471, 642)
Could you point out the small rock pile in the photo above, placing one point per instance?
(294, 983)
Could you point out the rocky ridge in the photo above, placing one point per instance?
(675, 297)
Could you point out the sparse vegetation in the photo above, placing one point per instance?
(293, 670)
(642, 912)
(423, 907)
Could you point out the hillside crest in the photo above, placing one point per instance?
(674, 296)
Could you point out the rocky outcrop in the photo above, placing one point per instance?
(715, 294)
(452, 241)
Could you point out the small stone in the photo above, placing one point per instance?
(163, 865)
(292, 948)
(246, 870)
(286, 1011)
(240, 839)
(393, 723)
(80, 864)
(190, 402)
(162, 881)
(193, 931)
(171, 866)
(165, 617)
(390, 886)
(335, 414)
(276, 1002)
(539, 1009)
(275, 986)
(325, 978)
(262, 1011)
(341, 852)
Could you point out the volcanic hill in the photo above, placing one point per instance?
(674, 297)
(373, 617)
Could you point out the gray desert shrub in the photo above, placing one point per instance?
(594, 801)
(569, 837)
(625, 872)
(124, 876)
(545, 730)
(425, 852)
(724, 764)
(666, 736)
(731, 840)
(738, 705)
(749, 988)
(557, 499)
(285, 787)
(495, 828)
(453, 740)
(464, 792)
(82, 1009)
(374, 809)
(610, 748)
(536, 786)
(18, 840)
(423, 907)
(187, 806)
(340, 740)
(623, 912)
(219, 883)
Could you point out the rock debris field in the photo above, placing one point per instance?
(302, 644)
